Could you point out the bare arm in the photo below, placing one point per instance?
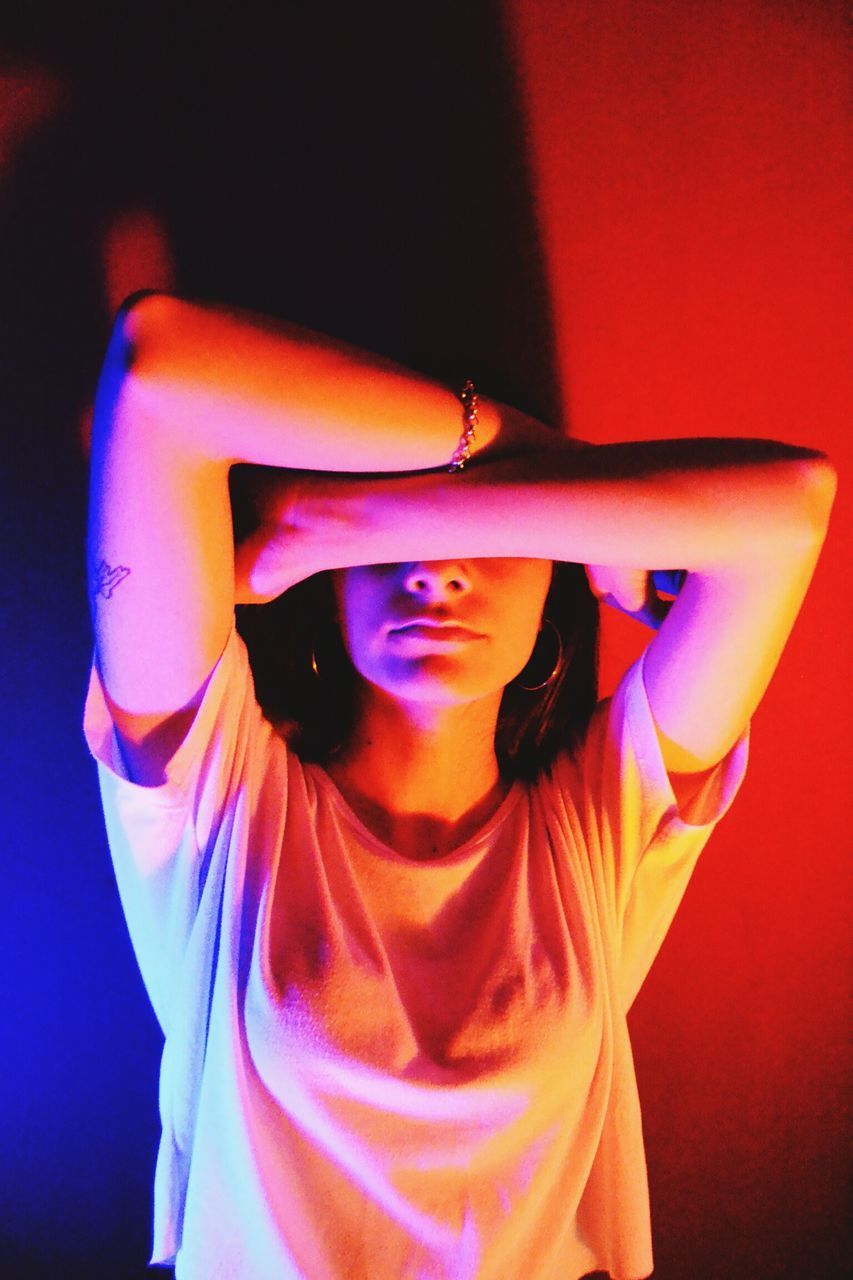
(745, 518)
(697, 504)
(241, 387)
(185, 391)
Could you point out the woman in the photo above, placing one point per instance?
(392, 941)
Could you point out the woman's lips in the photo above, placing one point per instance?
(439, 632)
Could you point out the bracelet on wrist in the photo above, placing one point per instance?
(470, 403)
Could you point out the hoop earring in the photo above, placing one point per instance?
(534, 688)
(314, 666)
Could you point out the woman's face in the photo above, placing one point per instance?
(442, 631)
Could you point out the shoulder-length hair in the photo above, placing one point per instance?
(315, 710)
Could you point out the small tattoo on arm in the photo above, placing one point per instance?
(105, 579)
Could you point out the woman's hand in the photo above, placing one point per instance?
(269, 559)
(631, 591)
(267, 563)
(299, 530)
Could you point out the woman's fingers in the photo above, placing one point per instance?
(631, 591)
(266, 563)
(654, 610)
(246, 555)
(625, 589)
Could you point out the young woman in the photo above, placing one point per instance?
(392, 927)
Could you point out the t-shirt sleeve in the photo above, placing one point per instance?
(642, 848)
(169, 842)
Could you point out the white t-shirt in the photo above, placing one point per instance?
(382, 1069)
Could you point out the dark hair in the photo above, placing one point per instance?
(316, 715)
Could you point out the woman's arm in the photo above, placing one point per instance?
(235, 386)
(185, 391)
(745, 518)
(697, 504)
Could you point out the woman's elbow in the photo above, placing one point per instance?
(140, 314)
(818, 483)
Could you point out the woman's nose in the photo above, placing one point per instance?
(436, 578)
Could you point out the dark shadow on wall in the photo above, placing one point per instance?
(358, 169)
(359, 172)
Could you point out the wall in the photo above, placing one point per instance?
(691, 169)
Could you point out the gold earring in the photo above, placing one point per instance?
(534, 688)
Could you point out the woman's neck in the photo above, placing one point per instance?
(423, 779)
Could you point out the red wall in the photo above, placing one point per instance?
(692, 175)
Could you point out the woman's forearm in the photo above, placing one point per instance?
(240, 387)
(696, 504)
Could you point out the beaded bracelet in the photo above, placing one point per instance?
(468, 396)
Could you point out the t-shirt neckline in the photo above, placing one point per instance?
(459, 852)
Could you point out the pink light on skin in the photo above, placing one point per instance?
(418, 637)
(413, 630)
